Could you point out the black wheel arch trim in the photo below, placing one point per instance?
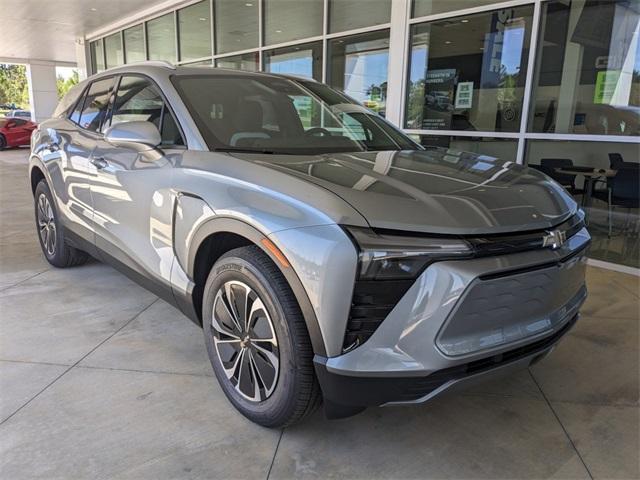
(239, 227)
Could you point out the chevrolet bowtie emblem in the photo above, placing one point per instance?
(554, 239)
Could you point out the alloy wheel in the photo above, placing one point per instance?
(46, 225)
(245, 341)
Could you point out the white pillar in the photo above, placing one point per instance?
(83, 59)
(43, 95)
(398, 55)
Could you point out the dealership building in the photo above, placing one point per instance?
(549, 83)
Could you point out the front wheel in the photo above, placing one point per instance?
(257, 339)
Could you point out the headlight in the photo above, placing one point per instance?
(393, 257)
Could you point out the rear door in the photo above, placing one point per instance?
(132, 196)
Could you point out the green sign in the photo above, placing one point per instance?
(606, 82)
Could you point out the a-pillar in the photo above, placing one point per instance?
(43, 95)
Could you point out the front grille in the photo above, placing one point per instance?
(496, 311)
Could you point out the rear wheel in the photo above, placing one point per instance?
(257, 339)
(3, 142)
(53, 243)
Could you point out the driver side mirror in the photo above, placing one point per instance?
(139, 135)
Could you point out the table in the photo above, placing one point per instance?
(590, 178)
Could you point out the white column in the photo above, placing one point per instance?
(43, 95)
(83, 59)
(398, 57)
(571, 70)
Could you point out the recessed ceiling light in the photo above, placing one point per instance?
(94, 9)
(248, 4)
(202, 19)
(278, 31)
(447, 42)
(464, 21)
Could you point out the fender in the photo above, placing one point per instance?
(239, 227)
(36, 162)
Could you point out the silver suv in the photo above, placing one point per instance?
(327, 256)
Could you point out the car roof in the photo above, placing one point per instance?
(164, 69)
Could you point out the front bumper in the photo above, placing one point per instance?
(345, 395)
(460, 321)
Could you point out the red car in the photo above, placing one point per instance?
(15, 132)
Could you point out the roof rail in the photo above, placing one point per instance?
(155, 63)
(150, 63)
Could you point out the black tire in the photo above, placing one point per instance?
(296, 393)
(3, 142)
(61, 255)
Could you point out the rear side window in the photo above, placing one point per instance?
(19, 122)
(138, 99)
(74, 116)
(95, 105)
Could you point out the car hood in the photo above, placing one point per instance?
(433, 191)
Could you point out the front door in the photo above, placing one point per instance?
(132, 196)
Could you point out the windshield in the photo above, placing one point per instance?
(282, 116)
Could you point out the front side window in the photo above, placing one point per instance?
(588, 78)
(95, 104)
(277, 115)
(468, 73)
(138, 99)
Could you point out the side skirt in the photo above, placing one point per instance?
(155, 287)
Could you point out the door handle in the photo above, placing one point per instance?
(99, 162)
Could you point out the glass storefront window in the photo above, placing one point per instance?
(113, 50)
(161, 38)
(359, 67)
(97, 56)
(194, 31)
(134, 44)
(503, 148)
(468, 73)
(607, 186)
(248, 62)
(303, 60)
(422, 8)
(287, 20)
(236, 25)
(589, 72)
(351, 14)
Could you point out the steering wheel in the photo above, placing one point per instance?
(318, 130)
